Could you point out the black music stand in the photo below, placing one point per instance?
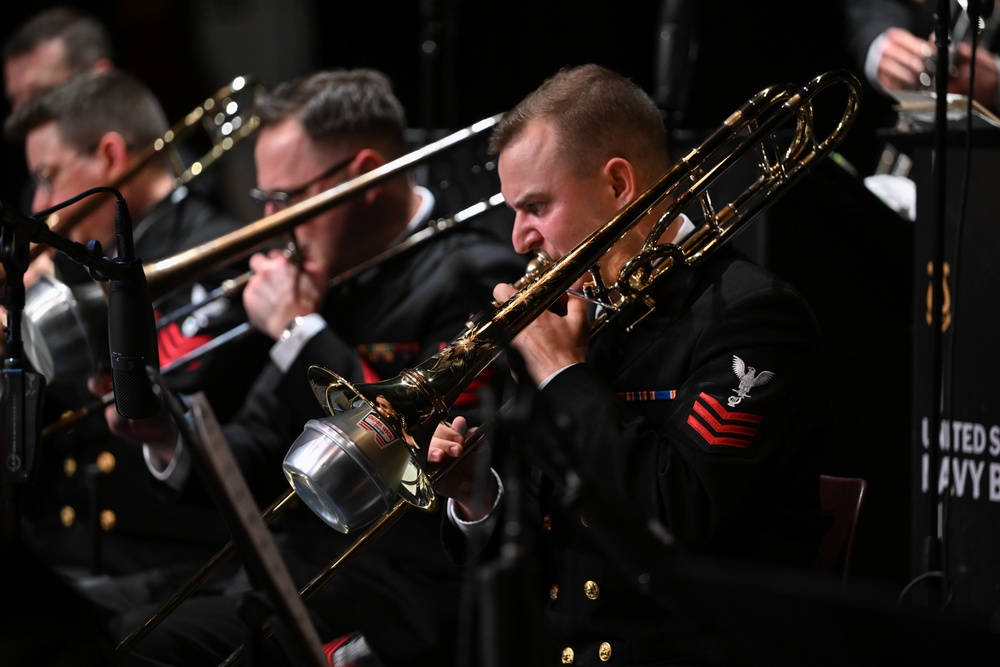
(274, 593)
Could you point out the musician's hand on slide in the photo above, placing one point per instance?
(448, 442)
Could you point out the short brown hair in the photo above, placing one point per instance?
(87, 40)
(90, 105)
(355, 105)
(597, 113)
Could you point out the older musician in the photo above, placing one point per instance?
(50, 48)
(90, 512)
(704, 419)
(396, 604)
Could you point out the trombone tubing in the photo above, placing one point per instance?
(167, 274)
(214, 564)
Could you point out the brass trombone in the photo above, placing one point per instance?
(353, 465)
(324, 464)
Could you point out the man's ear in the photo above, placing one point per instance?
(112, 151)
(368, 159)
(622, 179)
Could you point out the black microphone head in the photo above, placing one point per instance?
(131, 329)
(132, 342)
(134, 396)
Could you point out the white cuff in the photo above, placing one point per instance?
(175, 473)
(872, 59)
(481, 527)
(295, 337)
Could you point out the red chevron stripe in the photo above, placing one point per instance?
(726, 414)
(718, 426)
(712, 439)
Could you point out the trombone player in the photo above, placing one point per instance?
(394, 605)
(89, 512)
(706, 417)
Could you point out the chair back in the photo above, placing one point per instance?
(840, 498)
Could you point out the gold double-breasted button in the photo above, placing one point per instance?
(106, 462)
(591, 590)
(69, 466)
(554, 591)
(568, 656)
(67, 515)
(108, 520)
(604, 651)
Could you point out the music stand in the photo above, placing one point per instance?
(267, 571)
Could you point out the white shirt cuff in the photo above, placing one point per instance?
(175, 473)
(872, 60)
(541, 385)
(482, 527)
(287, 348)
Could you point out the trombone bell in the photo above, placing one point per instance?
(349, 467)
(65, 328)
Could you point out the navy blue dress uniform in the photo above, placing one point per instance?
(93, 510)
(707, 418)
(402, 591)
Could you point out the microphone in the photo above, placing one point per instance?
(131, 329)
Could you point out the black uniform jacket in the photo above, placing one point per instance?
(706, 418)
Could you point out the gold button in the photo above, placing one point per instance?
(568, 656)
(591, 590)
(583, 521)
(106, 462)
(108, 520)
(67, 515)
(69, 466)
(554, 592)
(546, 523)
(604, 651)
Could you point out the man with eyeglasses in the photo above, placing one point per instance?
(398, 601)
(90, 512)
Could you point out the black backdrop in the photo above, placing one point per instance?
(489, 54)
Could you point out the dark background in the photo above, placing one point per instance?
(490, 54)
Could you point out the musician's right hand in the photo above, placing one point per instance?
(158, 433)
(904, 59)
(278, 292)
(448, 442)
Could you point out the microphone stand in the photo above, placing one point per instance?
(22, 390)
(934, 542)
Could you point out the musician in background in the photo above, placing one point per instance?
(891, 42)
(396, 603)
(90, 513)
(49, 49)
(705, 419)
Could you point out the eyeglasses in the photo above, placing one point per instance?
(280, 200)
(43, 178)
